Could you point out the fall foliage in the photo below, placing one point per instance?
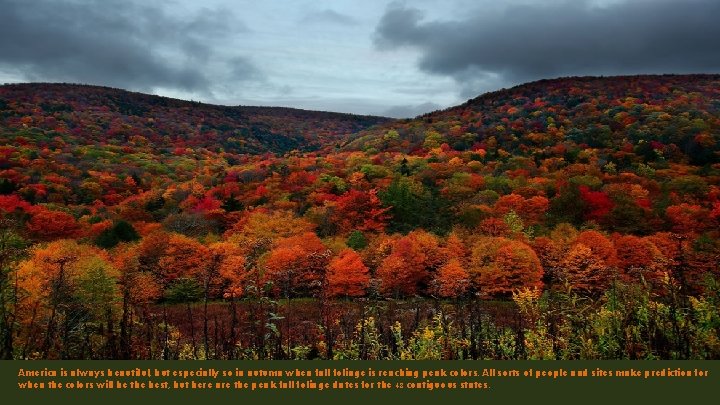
(120, 212)
(347, 275)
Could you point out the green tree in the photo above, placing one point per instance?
(122, 231)
(414, 206)
(12, 249)
(356, 240)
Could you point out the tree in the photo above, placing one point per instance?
(49, 225)
(184, 257)
(639, 258)
(138, 289)
(120, 232)
(70, 285)
(268, 225)
(360, 210)
(455, 248)
(190, 224)
(404, 271)
(551, 256)
(600, 246)
(568, 206)
(413, 206)
(230, 262)
(452, 280)
(12, 250)
(534, 209)
(494, 227)
(583, 270)
(186, 290)
(430, 244)
(598, 204)
(297, 263)
(499, 266)
(510, 202)
(356, 240)
(687, 218)
(230, 268)
(151, 249)
(347, 276)
(12, 203)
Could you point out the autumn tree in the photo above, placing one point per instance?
(407, 270)
(598, 203)
(451, 280)
(71, 285)
(687, 218)
(49, 225)
(297, 263)
(403, 272)
(260, 224)
(138, 289)
(228, 263)
(183, 257)
(583, 270)
(151, 249)
(499, 266)
(639, 258)
(551, 254)
(600, 245)
(455, 248)
(347, 276)
(362, 211)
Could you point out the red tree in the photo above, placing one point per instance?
(362, 211)
(347, 276)
(48, 225)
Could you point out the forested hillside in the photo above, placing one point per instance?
(92, 115)
(567, 218)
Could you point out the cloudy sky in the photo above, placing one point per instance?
(367, 57)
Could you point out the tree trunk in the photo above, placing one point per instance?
(124, 327)
(205, 320)
(192, 329)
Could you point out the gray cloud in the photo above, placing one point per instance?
(242, 69)
(410, 111)
(329, 16)
(518, 43)
(113, 42)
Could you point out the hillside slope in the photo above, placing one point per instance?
(670, 116)
(91, 114)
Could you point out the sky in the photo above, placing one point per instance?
(380, 57)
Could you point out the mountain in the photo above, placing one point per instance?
(673, 114)
(89, 115)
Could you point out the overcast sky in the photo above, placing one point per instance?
(362, 56)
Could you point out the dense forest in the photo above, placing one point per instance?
(560, 219)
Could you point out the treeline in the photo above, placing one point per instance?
(275, 290)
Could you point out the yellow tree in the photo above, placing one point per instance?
(65, 283)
